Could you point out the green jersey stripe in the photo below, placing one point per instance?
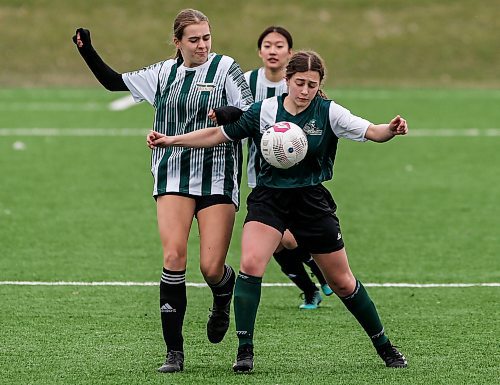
(162, 155)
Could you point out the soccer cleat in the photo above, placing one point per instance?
(326, 290)
(311, 301)
(391, 356)
(173, 363)
(218, 323)
(244, 359)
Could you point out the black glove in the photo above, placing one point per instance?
(84, 37)
(227, 114)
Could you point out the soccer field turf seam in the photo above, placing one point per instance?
(273, 284)
(111, 132)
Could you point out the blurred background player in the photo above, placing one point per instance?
(275, 49)
(188, 183)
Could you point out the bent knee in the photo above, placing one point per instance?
(174, 259)
(343, 286)
(212, 273)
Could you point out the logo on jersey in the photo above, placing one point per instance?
(311, 129)
(205, 87)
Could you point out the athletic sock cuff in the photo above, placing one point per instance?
(173, 277)
(250, 278)
(353, 294)
(228, 272)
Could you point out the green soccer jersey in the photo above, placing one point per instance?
(261, 89)
(323, 122)
(182, 98)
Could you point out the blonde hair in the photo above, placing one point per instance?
(183, 19)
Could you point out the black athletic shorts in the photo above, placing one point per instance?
(308, 212)
(204, 201)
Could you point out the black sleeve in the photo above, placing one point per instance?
(109, 78)
(227, 114)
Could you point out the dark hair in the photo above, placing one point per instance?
(183, 19)
(303, 61)
(280, 30)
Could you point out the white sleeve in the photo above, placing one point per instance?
(237, 91)
(247, 76)
(346, 125)
(143, 83)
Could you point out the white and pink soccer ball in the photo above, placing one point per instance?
(283, 145)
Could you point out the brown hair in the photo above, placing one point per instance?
(282, 31)
(183, 19)
(303, 61)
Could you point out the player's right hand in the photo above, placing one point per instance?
(82, 38)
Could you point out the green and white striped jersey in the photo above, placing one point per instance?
(323, 122)
(261, 89)
(182, 98)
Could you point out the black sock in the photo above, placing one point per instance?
(362, 307)
(309, 261)
(223, 290)
(292, 266)
(173, 302)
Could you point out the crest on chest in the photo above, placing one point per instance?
(310, 128)
(207, 87)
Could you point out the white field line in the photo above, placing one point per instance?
(122, 103)
(194, 284)
(96, 132)
(87, 132)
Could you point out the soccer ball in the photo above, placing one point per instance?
(283, 145)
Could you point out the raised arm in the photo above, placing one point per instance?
(384, 132)
(206, 137)
(109, 78)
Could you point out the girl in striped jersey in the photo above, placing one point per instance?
(201, 183)
(295, 199)
(275, 49)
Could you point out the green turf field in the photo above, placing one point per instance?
(75, 205)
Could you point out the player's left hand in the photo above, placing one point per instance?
(155, 139)
(212, 116)
(398, 126)
(82, 38)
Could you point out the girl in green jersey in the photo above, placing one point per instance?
(295, 198)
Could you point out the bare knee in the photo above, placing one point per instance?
(253, 266)
(212, 272)
(344, 285)
(174, 259)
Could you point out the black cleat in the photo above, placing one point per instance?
(391, 356)
(173, 363)
(218, 323)
(244, 359)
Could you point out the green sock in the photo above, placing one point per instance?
(361, 306)
(246, 301)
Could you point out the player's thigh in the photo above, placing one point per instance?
(337, 272)
(288, 241)
(175, 215)
(258, 243)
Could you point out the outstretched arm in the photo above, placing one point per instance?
(108, 77)
(384, 132)
(206, 137)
